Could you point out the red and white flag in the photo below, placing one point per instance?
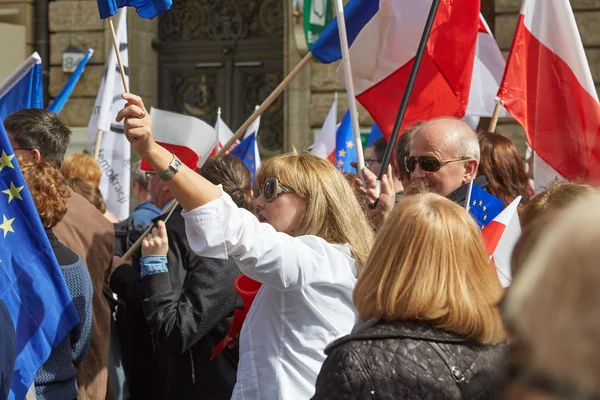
(548, 88)
(500, 237)
(224, 134)
(190, 139)
(384, 51)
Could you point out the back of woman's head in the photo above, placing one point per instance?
(555, 197)
(503, 167)
(82, 166)
(332, 209)
(48, 189)
(553, 305)
(91, 193)
(232, 173)
(429, 263)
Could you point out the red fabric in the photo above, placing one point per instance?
(444, 78)
(492, 234)
(561, 119)
(185, 154)
(247, 288)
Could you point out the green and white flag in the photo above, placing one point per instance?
(317, 14)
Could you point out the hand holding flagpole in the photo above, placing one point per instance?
(360, 159)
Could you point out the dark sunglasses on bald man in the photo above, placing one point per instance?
(272, 188)
(428, 163)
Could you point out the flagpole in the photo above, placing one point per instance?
(116, 45)
(98, 143)
(387, 157)
(496, 115)
(360, 159)
(268, 101)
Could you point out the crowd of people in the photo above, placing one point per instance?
(355, 292)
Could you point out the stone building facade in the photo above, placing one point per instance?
(205, 54)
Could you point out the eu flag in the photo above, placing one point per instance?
(345, 153)
(60, 100)
(31, 283)
(23, 89)
(483, 206)
(145, 8)
(246, 151)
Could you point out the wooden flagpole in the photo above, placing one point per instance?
(387, 157)
(360, 159)
(495, 115)
(268, 101)
(238, 134)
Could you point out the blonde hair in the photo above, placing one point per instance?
(82, 166)
(332, 210)
(429, 263)
(553, 306)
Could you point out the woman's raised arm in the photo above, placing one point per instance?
(189, 188)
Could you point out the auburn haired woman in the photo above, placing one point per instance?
(56, 379)
(307, 256)
(82, 166)
(504, 168)
(426, 299)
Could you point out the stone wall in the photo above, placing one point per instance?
(77, 23)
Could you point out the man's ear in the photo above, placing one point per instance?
(35, 154)
(470, 172)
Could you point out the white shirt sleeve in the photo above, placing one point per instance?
(220, 229)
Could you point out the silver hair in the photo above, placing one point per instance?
(468, 146)
(139, 176)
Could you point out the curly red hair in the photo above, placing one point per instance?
(49, 191)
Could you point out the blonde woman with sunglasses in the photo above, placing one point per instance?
(307, 256)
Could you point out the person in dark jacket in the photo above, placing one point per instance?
(426, 299)
(8, 351)
(188, 300)
(57, 378)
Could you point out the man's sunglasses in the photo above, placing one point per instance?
(272, 188)
(428, 163)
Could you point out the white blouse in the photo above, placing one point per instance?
(304, 304)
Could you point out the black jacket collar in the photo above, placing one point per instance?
(459, 196)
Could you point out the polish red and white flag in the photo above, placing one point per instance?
(548, 88)
(500, 237)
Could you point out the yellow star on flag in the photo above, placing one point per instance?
(5, 160)
(342, 153)
(349, 144)
(249, 156)
(474, 202)
(485, 217)
(484, 208)
(252, 166)
(480, 202)
(482, 227)
(13, 192)
(340, 163)
(6, 226)
(468, 208)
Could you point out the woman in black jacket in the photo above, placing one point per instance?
(187, 320)
(426, 300)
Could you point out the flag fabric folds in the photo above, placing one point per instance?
(23, 89)
(31, 283)
(115, 151)
(246, 151)
(60, 100)
(548, 88)
(500, 237)
(483, 206)
(253, 130)
(145, 8)
(189, 138)
(324, 145)
(345, 153)
(374, 135)
(446, 85)
(224, 134)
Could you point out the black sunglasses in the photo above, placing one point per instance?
(272, 188)
(428, 163)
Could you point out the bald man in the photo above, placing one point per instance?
(444, 155)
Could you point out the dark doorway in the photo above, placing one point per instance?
(225, 53)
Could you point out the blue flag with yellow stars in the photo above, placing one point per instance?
(483, 206)
(246, 151)
(345, 153)
(31, 283)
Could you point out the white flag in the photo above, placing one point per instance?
(324, 145)
(115, 151)
(223, 132)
